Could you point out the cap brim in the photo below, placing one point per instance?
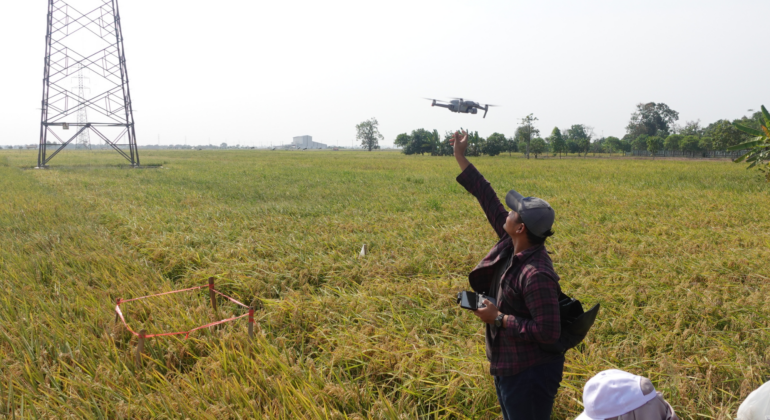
(513, 199)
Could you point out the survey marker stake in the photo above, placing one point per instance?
(140, 347)
(364, 251)
(251, 323)
(213, 297)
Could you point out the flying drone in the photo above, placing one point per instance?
(460, 105)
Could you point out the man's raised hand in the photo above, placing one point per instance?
(460, 142)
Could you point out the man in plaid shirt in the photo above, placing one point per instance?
(519, 274)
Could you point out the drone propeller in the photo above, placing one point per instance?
(434, 102)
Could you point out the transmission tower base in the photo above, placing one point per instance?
(79, 44)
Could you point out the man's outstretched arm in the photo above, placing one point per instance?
(475, 184)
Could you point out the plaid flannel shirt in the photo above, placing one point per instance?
(529, 290)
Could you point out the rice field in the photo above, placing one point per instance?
(676, 252)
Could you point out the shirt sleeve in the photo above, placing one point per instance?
(477, 185)
(541, 296)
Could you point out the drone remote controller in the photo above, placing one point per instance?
(473, 301)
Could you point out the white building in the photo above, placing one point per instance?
(306, 142)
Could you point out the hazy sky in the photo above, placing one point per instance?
(256, 72)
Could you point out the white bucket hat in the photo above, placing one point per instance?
(612, 393)
(756, 405)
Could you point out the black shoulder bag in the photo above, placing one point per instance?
(575, 324)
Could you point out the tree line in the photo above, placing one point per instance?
(652, 127)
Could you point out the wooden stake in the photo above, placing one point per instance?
(212, 295)
(140, 348)
(117, 303)
(251, 331)
(251, 323)
(11, 405)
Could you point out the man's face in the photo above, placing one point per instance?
(512, 223)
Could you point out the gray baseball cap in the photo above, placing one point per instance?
(535, 212)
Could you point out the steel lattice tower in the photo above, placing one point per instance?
(83, 139)
(89, 38)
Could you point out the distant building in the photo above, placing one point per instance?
(306, 142)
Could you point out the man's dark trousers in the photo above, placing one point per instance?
(529, 395)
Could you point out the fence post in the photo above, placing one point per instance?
(140, 348)
(213, 297)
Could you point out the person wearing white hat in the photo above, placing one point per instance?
(757, 405)
(618, 395)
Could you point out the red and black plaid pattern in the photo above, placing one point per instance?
(529, 290)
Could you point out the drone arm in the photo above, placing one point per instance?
(486, 108)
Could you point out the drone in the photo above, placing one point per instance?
(460, 105)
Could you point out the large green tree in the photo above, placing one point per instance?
(725, 135)
(692, 128)
(584, 145)
(572, 146)
(580, 136)
(446, 146)
(652, 119)
(495, 144)
(402, 140)
(522, 136)
(578, 131)
(527, 124)
(537, 146)
(706, 143)
(612, 144)
(558, 144)
(672, 142)
(475, 144)
(625, 146)
(597, 146)
(690, 144)
(420, 141)
(755, 121)
(510, 145)
(368, 134)
(654, 145)
(435, 144)
(640, 142)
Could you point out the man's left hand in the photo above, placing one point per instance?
(487, 314)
